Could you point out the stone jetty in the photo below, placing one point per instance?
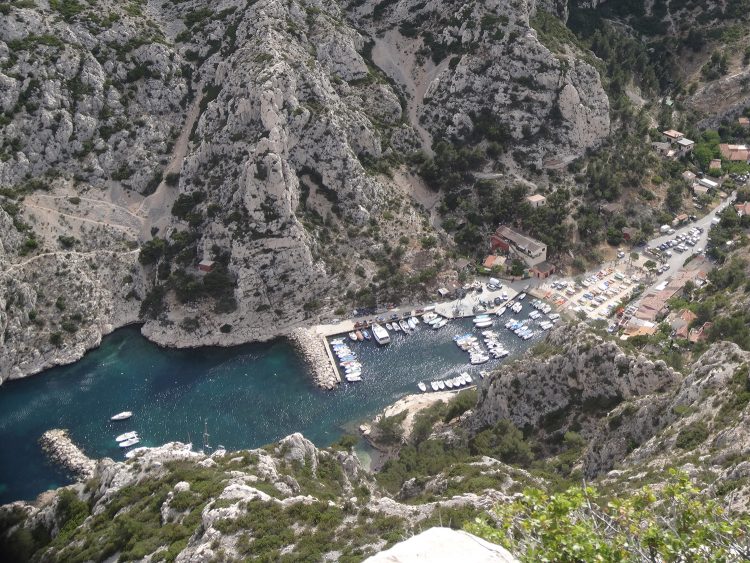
(60, 449)
(312, 346)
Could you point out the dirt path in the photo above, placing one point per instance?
(158, 205)
(79, 218)
(395, 55)
(92, 200)
(20, 265)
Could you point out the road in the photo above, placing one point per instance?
(677, 259)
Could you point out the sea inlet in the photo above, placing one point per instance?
(248, 396)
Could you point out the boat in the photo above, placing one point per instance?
(380, 334)
(483, 324)
(129, 443)
(449, 383)
(422, 386)
(124, 415)
(359, 335)
(366, 334)
(388, 326)
(126, 436)
(404, 326)
(440, 324)
(434, 385)
(411, 323)
(501, 311)
(353, 336)
(416, 320)
(522, 296)
(441, 385)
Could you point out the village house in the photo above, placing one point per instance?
(494, 261)
(664, 149)
(536, 200)
(735, 153)
(672, 136)
(680, 323)
(542, 270)
(684, 146)
(654, 305)
(700, 190)
(206, 265)
(680, 219)
(699, 334)
(715, 164)
(518, 245)
(742, 208)
(688, 176)
(629, 233)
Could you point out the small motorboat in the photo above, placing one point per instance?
(521, 297)
(422, 386)
(129, 443)
(353, 336)
(483, 324)
(358, 334)
(434, 385)
(127, 436)
(124, 415)
(366, 334)
(389, 326)
(449, 383)
(441, 385)
(501, 311)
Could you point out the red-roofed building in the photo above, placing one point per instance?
(735, 153)
(742, 208)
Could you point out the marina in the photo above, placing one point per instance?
(250, 395)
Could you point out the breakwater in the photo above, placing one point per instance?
(314, 351)
(61, 450)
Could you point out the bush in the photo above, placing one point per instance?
(692, 436)
(461, 403)
(151, 251)
(674, 523)
(504, 442)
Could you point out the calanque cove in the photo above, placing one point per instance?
(374, 280)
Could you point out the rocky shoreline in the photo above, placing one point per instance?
(310, 345)
(60, 449)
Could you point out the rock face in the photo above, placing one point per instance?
(231, 503)
(575, 370)
(250, 134)
(443, 544)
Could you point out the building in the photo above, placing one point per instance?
(744, 121)
(629, 233)
(518, 245)
(664, 149)
(700, 190)
(542, 270)
(206, 265)
(699, 334)
(494, 261)
(654, 305)
(536, 200)
(672, 136)
(639, 327)
(684, 145)
(735, 153)
(715, 164)
(680, 219)
(681, 323)
(688, 176)
(710, 184)
(742, 208)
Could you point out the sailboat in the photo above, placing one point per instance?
(206, 447)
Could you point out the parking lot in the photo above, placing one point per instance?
(596, 295)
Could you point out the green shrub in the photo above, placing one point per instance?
(692, 435)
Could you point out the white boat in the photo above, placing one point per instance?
(422, 386)
(434, 385)
(411, 323)
(388, 326)
(124, 415)
(441, 385)
(127, 436)
(522, 296)
(449, 383)
(404, 326)
(353, 336)
(129, 443)
(501, 311)
(396, 328)
(366, 334)
(483, 324)
(416, 320)
(380, 334)
(440, 324)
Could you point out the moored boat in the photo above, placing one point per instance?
(366, 334)
(129, 443)
(124, 415)
(359, 335)
(127, 436)
(422, 386)
(353, 336)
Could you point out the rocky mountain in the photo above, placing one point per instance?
(269, 137)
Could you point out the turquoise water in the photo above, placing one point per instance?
(250, 395)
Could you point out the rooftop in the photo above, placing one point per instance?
(520, 240)
(536, 198)
(672, 134)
